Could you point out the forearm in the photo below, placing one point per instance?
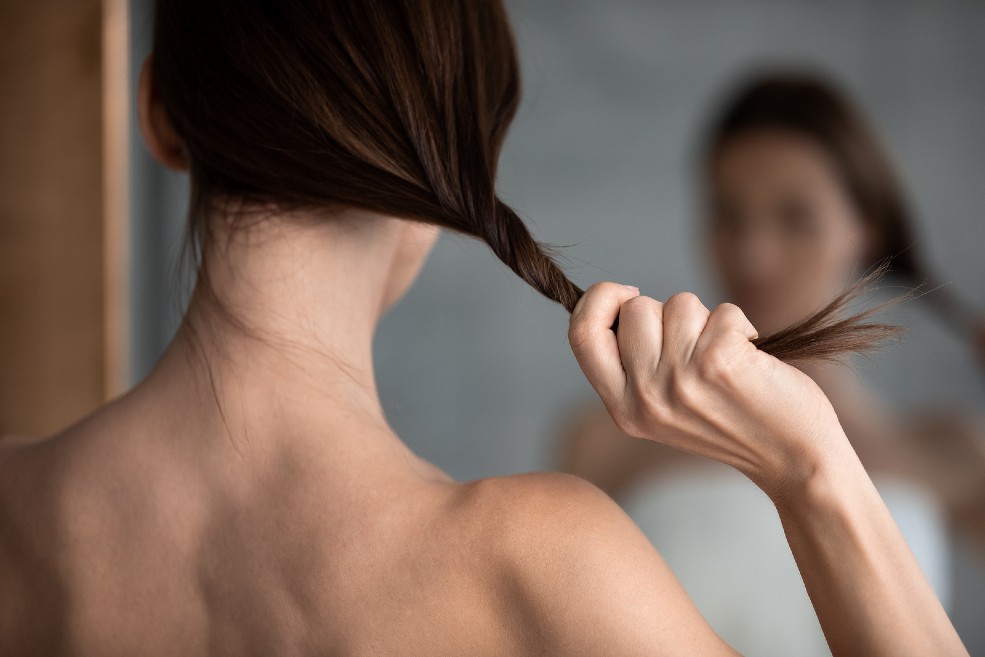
(680, 375)
(868, 591)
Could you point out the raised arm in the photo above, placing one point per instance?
(691, 379)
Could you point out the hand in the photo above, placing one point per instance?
(680, 375)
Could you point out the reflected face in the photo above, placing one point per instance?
(784, 235)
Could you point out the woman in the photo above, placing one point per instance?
(800, 197)
(248, 497)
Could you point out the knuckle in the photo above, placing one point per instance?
(684, 389)
(599, 286)
(715, 363)
(636, 303)
(606, 288)
(579, 335)
(684, 304)
(684, 300)
(600, 290)
(637, 307)
(731, 315)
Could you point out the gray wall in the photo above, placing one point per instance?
(474, 368)
(159, 199)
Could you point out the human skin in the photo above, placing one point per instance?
(783, 238)
(249, 497)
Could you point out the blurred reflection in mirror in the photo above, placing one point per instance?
(799, 198)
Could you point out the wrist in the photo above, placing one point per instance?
(822, 476)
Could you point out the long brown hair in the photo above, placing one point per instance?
(810, 105)
(394, 106)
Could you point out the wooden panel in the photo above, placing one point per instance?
(52, 224)
(116, 196)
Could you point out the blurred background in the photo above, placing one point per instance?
(474, 368)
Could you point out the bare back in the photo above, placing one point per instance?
(110, 545)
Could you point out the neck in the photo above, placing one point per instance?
(278, 339)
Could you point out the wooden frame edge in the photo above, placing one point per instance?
(116, 196)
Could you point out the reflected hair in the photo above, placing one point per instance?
(398, 107)
(809, 105)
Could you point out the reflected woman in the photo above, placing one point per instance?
(800, 197)
(249, 497)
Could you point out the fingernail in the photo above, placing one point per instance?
(632, 288)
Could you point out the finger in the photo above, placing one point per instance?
(592, 340)
(684, 320)
(727, 328)
(640, 338)
(728, 318)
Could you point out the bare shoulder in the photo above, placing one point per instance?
(24, 531)
(584, 577)
(542, 509)
(18, 465)
(539, 515)
(12, 441)
(34, 473)
(532, 493)
(30, 472)
(26, 462)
